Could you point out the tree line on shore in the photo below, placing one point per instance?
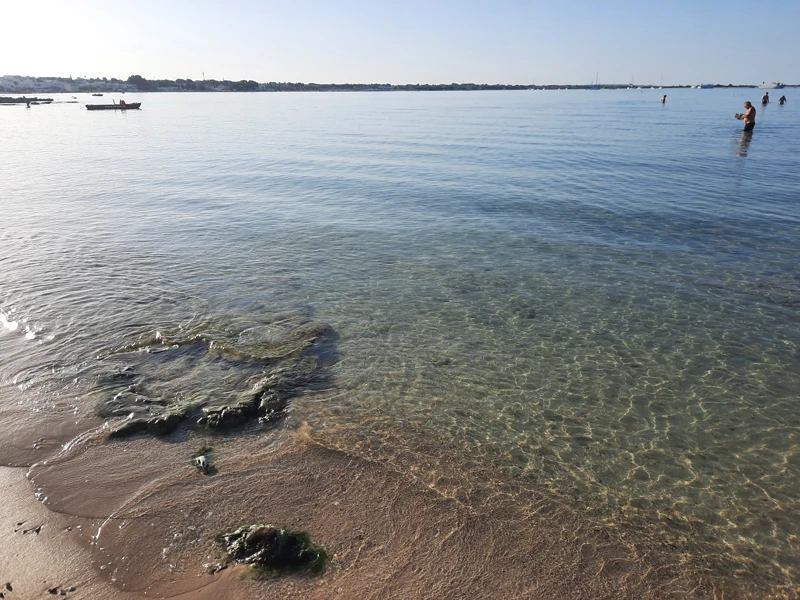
(143, 84)
(151, 85)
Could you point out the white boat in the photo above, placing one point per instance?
(775, 85)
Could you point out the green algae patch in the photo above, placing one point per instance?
(272, 550)
(203, 451)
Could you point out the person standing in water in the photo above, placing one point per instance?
(765, 99)
(749, 117)
(664, 99)
(781, 100)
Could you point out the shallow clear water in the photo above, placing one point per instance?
(597, 293)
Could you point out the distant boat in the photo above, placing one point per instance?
(131, 106)
(775, 85)
(97, 94)
(705, 86)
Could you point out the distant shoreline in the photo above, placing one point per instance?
(15, 84)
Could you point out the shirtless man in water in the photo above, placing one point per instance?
(749, 117)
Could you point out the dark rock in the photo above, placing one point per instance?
(275, 549)
(271, 403)
(131, 398)
(127, 410)
(228, 416)
(53, 591)
(129, 428)
(271, 406)
(164, 424)
(8, 587)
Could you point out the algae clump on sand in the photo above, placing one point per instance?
(274, 550)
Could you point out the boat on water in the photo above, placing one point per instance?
(120, 106)
(97, 94)
(705, 86)
(775, 85)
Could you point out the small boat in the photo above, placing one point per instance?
(775, 85)
(97, 94)
(120, 106)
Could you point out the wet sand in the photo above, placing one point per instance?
(388, 535)
(39, 553)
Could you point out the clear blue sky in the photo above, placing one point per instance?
(406, 41)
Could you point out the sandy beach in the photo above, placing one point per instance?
(388, 536)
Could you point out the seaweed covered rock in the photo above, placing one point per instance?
(268, 401)
(128, 428)
(274, 549)
(164, 424)
(235, 376)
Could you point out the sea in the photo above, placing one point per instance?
(586, 292)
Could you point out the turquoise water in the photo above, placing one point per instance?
(595, 293)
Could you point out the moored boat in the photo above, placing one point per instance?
(775, 85)
(120, 106)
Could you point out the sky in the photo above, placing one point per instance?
(406, 41)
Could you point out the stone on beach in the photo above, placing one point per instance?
(274, 548)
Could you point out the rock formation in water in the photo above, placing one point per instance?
(274, 369)
(274, 549)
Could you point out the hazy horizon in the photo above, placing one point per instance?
(367, 42)
(443, 83)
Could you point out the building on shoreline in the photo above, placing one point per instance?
(31, 85)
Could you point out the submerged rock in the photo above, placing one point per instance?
(271, 407)
(128, 428)
(164, 424)
(227, 416)
(273, 548)
(213, 371)
(266, 402)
